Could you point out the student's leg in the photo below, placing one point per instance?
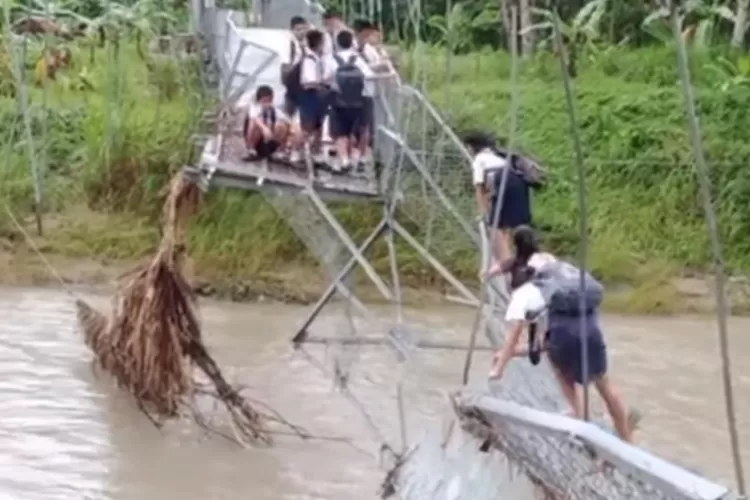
(569, 390)
(356, 123)
(253, 137)
(337, 127)
(615, 406)
(367, 129)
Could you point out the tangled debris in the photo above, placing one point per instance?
(152, 341)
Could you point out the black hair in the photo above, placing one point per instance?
(526, 241)
(359, 25)
(332, 14)
(520, 275)
(262, 92)
(296, 21)
(478, 140)
(314, 39)
(345, 39)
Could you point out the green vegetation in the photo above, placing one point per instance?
(112, 127)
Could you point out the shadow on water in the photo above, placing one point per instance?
(66, 434)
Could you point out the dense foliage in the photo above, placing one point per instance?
(118, 120)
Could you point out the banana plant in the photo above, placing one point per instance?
(457, 25)
(585, 27)
(700, 33)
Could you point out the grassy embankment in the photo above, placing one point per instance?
(108, 151)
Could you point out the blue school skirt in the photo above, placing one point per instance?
(565, 342)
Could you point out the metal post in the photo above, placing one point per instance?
(347, 241)
(447, 275)
(722, 308)
(301, 335)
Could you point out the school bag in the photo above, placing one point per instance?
(350, 84)
(526, 167)
(290, 76)
(559, 282)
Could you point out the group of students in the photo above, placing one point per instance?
(546, 293)
(329, 79)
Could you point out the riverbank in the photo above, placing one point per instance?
(91, 250)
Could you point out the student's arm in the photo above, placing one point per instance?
(477, 178)
(509, 350)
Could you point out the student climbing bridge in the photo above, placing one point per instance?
(423, 176)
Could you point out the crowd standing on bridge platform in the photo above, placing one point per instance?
(329, 80)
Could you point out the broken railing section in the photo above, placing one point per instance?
(573, 459)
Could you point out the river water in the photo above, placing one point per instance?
(68, 434)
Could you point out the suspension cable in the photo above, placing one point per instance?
(583, 232)
(722, 310)
(499, 197)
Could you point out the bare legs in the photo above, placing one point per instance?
(612, 399)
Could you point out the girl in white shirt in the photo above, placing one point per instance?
(563, 339)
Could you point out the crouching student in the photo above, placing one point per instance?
(545, 286)
(268, 132)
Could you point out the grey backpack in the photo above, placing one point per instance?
(560, 285)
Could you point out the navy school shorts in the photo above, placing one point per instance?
(313, 106)
(346, 122)
(565, 343)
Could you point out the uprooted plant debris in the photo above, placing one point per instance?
(151, 342)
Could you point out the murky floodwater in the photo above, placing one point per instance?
(66, 434)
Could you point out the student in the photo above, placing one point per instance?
(488, 169)
(290, 68)
(380, 66)
(532, 299)
(313, 97)
(267, 130)
(333, 23)
(348, 74)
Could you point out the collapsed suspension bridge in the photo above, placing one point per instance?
(517, 422)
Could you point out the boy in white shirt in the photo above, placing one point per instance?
(347, 73)
(313, 96)
(290, 68)
(333, 23)
(268, 131)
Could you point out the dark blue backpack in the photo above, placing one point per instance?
(350, 84)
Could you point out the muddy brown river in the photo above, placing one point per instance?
(68, 434)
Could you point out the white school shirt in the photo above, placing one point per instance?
(255, 111)
(312, 69)
(484, 162)
(372, 54)
(331, 65)
(527, 298)
(298, 51)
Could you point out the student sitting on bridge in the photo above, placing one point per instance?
(544, 288)
(348, 75)
(268, 131)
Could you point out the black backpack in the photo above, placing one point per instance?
(291, 78)
(350, 84)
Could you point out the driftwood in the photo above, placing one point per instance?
(152, 340)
